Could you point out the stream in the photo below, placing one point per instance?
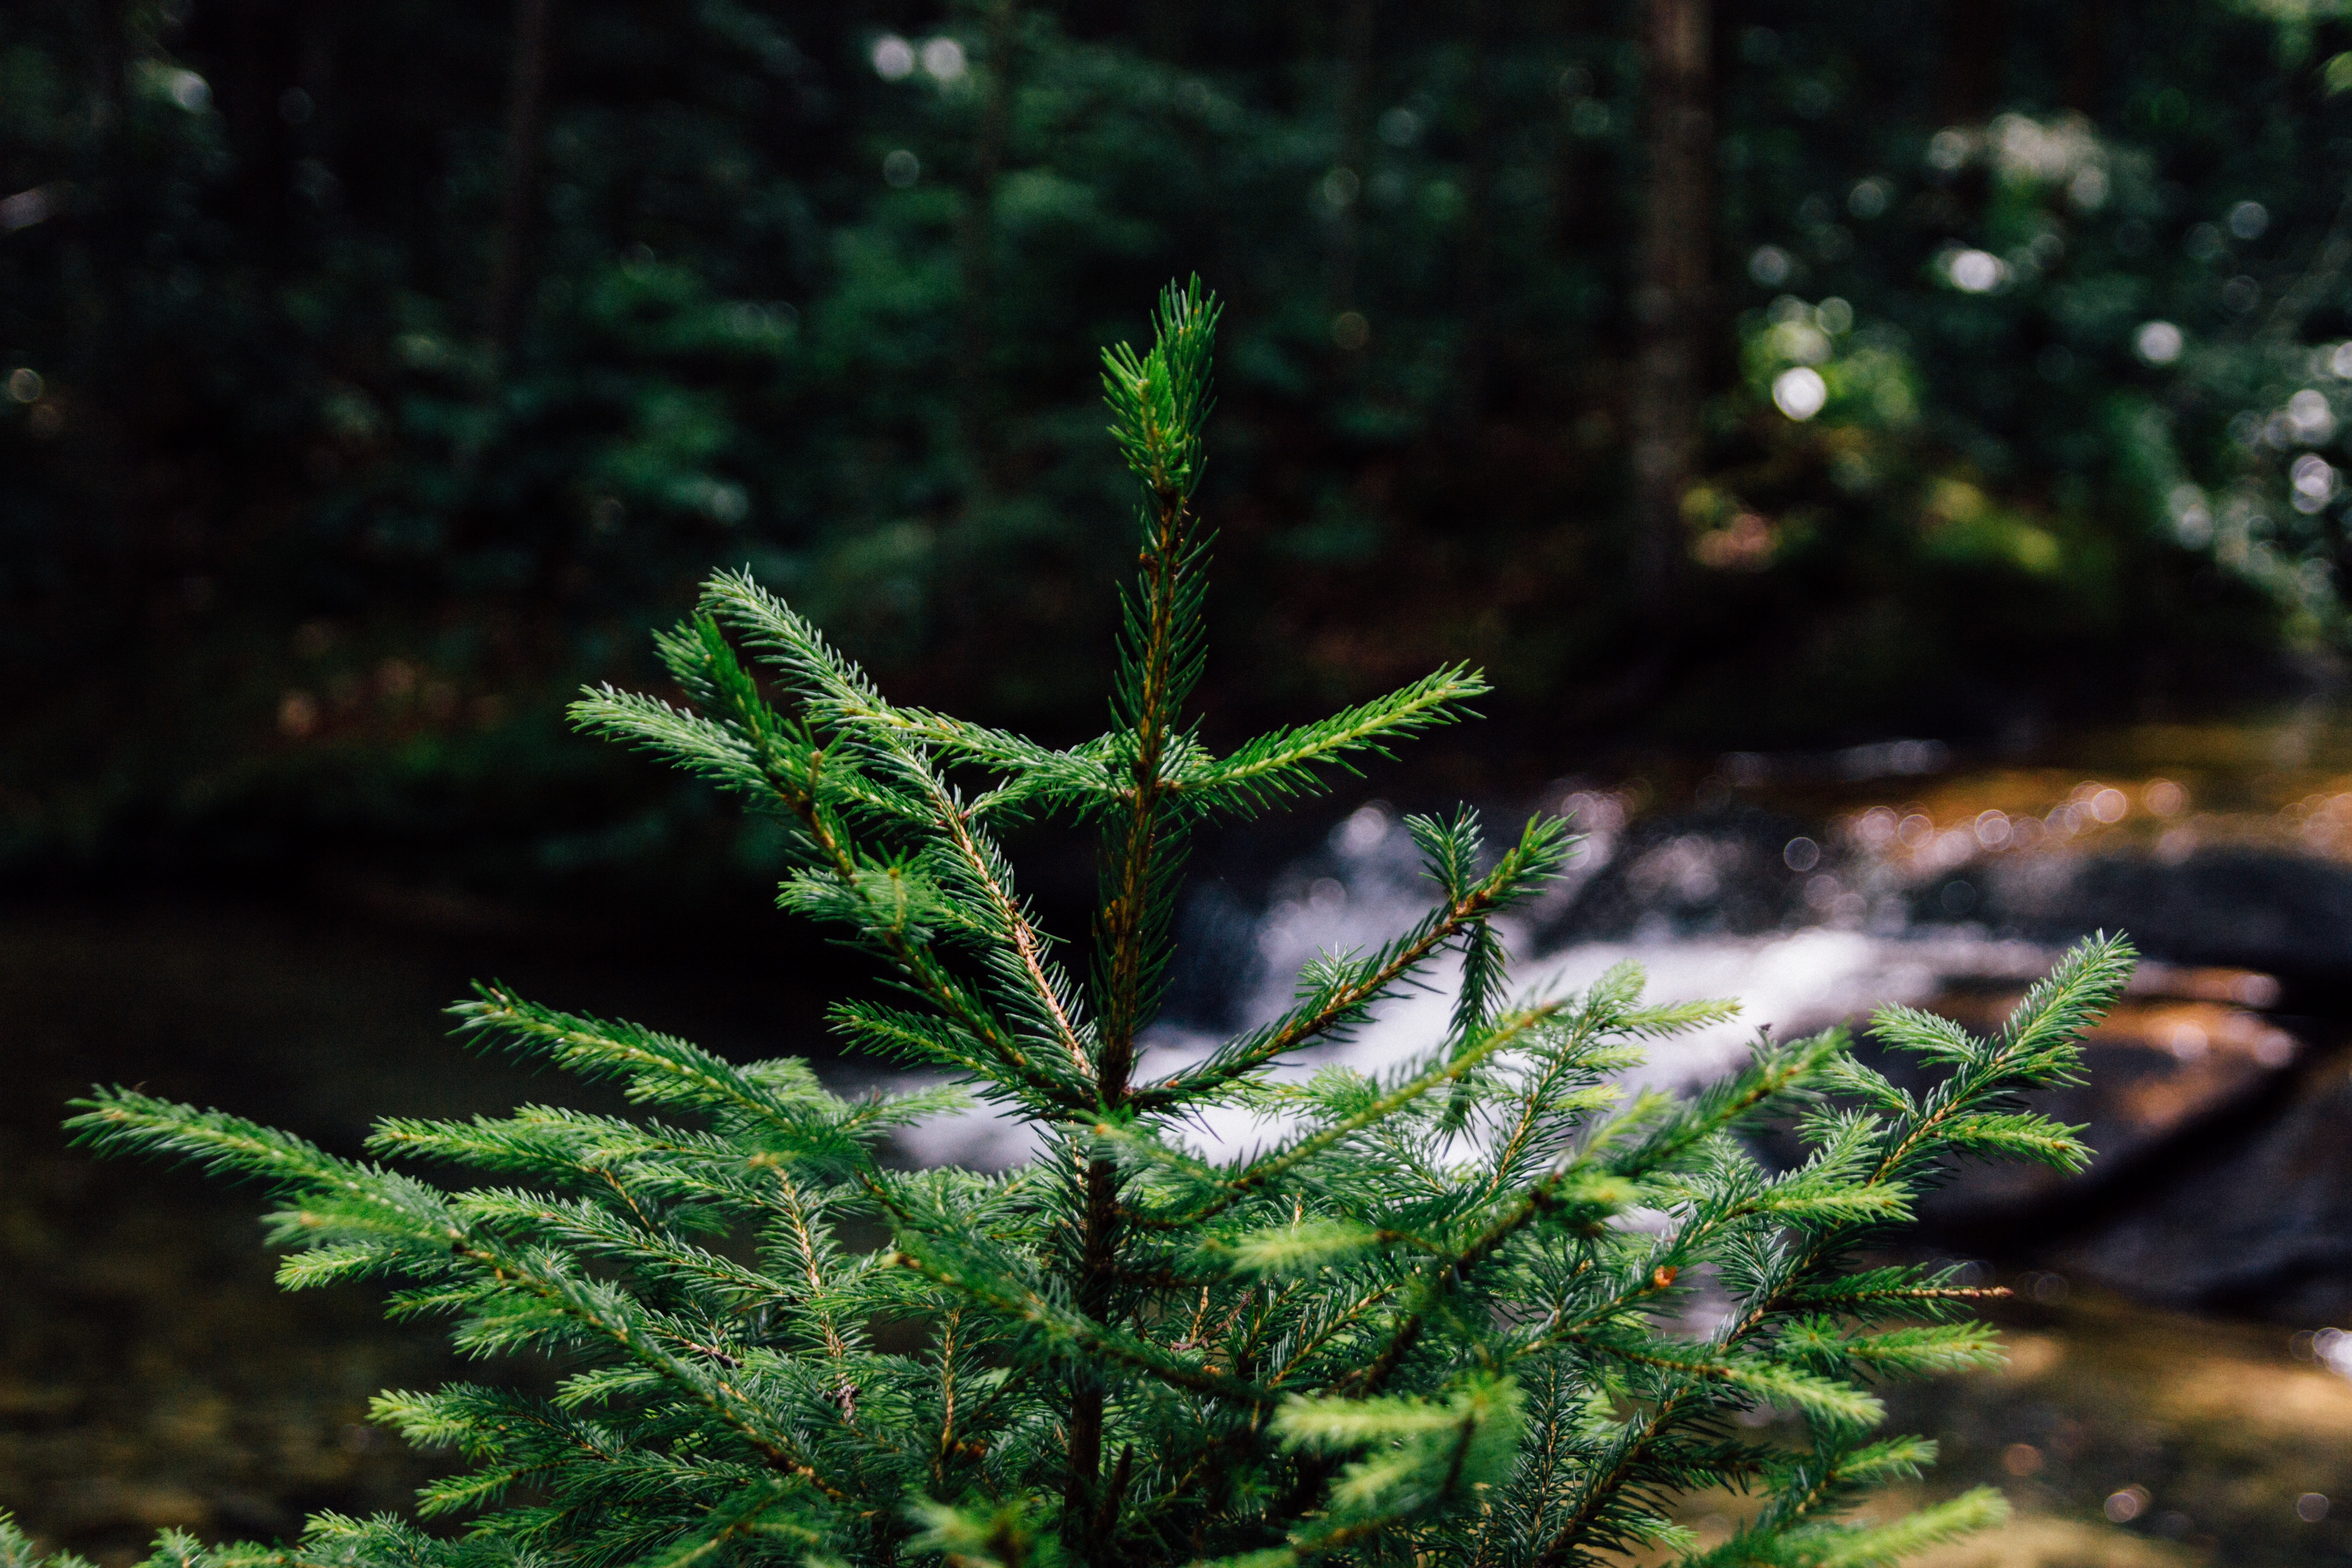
(2178, 1389)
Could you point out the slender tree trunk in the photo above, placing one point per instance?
(976, 251)
(245, 92)
(110, 56)
(1354, 112)
(525, 115)
(1976, 36)
(1671, 294)
(314, 71)
(2086, 66)
(1086, 1520)
(1976, 32)
(1582, 183)
(1477, 245)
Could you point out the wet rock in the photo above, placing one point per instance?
(2260, 1223)
(2284, 914)
(1738, 873)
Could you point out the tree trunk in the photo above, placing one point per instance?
(526, 114)
(246, 92)
(1477, 245)
(1976, 34)
(976, 253)
(2086, 66)
(1671, 293)
(1353, 111)
(110, 57)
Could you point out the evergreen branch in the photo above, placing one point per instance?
(1543, 1101)
(1507, 1033)
(1338, 1325)
(2036, 1046)
(630, 1329)
(1914, 1351)
(800, 1231)
(899, 736)
(892, 1031)
(647, 1249)
(2085, 983)
(770, 768)
(832, 686)
(746, 1517)
(1158, 402)
(392, 1212)
(1767, 1379)
(1043, 986)
(1083, 1333)
(1885, 1545)
(119, 1118)
(1280, 764)
(655, 1162)
(1303, 1247)
(927, 977)
(1346, 997)
(654, 1068)
(839, 694)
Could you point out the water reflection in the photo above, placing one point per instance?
(2129, 1436)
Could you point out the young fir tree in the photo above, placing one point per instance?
(1440, 1318)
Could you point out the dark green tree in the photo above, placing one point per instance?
(1439, 1317)
(340, 456)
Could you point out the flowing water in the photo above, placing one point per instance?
(2173, 1393)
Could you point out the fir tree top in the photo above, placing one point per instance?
(1438, 1319)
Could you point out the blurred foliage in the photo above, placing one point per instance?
(303, 548)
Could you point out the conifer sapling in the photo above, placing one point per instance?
(1438, 1317)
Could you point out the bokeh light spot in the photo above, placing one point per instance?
(1977, 271)
(2158, 343)
(943, 59)
(894, 58)
(1800, 393)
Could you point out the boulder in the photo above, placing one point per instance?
(2260, 1223)
(1728, 872)
(2284, 914)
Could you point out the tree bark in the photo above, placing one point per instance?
(525, 115)
(2086, 66)
(976, 252)
(1354, 112)
(1478, 214)
(110, 60)
(1671, 293)
(1976, 35)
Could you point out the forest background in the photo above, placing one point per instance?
(1718, 374)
